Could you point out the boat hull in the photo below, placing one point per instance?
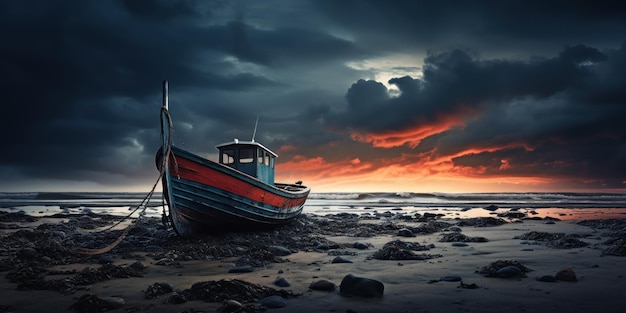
(208, 197)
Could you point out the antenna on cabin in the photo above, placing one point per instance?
(255, 126)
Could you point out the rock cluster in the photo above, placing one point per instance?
(555, 240)
(401, 250)
(505, 269)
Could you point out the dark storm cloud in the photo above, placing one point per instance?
(165, 10)
(567, 111)
(513, 26)
(288, 46)
(456, 80)
(63, 64)
(570, 102)
(81, 79)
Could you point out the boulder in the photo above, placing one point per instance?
(353, 286)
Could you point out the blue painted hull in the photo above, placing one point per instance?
(205, 206)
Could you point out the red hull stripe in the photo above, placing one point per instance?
(194, 171)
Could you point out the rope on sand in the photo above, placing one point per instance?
(125, 232)
(143, 203)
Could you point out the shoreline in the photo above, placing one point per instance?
(309, 247)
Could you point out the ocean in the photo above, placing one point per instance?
(559, 205)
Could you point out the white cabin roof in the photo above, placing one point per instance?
(238, 142)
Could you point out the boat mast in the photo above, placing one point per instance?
(165, 102)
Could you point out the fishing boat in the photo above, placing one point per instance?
(237, 192)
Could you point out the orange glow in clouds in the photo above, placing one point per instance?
(411, 136)
(408, 172)
(427, 171)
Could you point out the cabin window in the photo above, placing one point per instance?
(272, 162)
(246, 156)
(260, 156)
(228, 156)
(267, 158)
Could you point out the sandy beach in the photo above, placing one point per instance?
(431, 263)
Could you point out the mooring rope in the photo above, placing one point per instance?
(144, 202)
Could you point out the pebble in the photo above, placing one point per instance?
(281, 282)
(274, 302)
(361, 287)
(322, 285)
(455, 229)
(322, 246)
(459, 244)
(176, 298)
(360, 246)
(405, 232)
(340, 260)
(451, 278)
(566, 274)
(137, 266)
(279, 250)
(478, 239)
(231, 306)
(509, 272)
(547, 278)
(491, 208)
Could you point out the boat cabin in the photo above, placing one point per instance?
(249, 157)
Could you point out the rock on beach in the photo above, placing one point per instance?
(273, 302)
(566, 274)
(279, 250)
(340, 260)
(281, 282)
(491, 208)
(322, 285)
(353, 286)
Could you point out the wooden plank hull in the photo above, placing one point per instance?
(208, 197)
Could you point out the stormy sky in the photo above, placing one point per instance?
(424, 96)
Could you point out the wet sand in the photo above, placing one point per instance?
(594, 253)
